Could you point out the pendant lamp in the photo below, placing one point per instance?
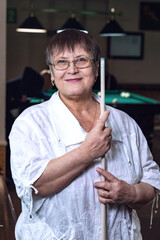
(72, 22)
(112, 28)
(31, 24)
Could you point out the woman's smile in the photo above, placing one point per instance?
(73, 80)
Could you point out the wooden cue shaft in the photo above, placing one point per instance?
(103, 206)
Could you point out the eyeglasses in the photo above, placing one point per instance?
(63, 64)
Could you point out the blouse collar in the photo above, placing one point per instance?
(68, 128)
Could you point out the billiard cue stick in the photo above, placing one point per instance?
(102, 104)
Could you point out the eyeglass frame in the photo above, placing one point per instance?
(74, 62)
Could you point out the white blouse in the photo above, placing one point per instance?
(49, 130)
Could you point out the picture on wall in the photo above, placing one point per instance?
(126, 47)
(149, 16)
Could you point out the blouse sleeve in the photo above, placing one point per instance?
(150, 169)
(143, 167)
(30, 154)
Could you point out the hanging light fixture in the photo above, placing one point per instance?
(72, 22)
(112, 28)
(31, 24)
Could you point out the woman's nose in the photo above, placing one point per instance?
(72, 68)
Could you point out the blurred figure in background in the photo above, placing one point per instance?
(18, 91)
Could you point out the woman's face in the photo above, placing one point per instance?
(74, 82)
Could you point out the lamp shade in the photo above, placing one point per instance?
(112, 29)
(31, 25)
(72, 22)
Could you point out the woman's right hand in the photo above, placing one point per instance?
(71, 164)
(98, 140)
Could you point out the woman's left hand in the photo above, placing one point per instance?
(113, 190)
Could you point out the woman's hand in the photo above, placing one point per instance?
(115, 191)
(71, 164)
(98, 140)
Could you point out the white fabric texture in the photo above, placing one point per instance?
(49, 130)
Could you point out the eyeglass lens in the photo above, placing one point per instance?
(79, 63)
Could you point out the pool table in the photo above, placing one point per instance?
(142, 109)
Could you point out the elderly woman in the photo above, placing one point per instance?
(56, 148)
